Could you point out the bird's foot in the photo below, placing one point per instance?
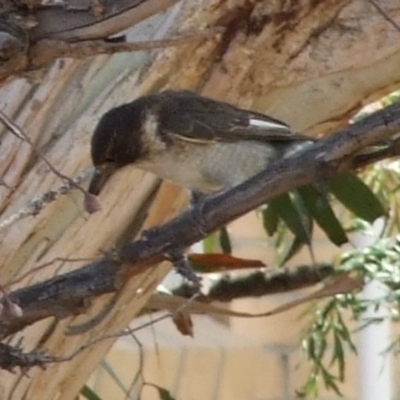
(183, 268)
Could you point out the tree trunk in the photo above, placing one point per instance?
(312, 64)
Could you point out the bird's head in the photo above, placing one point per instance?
(116, 142)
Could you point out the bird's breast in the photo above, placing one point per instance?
(210, 167)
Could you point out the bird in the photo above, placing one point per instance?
(199, 143)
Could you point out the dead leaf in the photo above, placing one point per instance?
(183, 323)
(92, 203)
(218, 262)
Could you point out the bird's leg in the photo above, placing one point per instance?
(183, 268)
(196, 197)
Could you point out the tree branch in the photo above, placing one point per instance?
(58, 29)
(11, 357)
(48, 50)
(75, 25)
(261, 283)
(71, 293)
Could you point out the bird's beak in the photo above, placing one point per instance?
(100, 177)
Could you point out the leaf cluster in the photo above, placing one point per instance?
(328, 338)
(299, 211)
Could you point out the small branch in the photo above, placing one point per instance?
(70, 183)
(140, 372)
(3, 183)
(12, 357)
(182, 267)
(385, 14)
(126, 332)
(391, 150)
(20, 134)
(70, 293)
(48, 50)
(37, 204)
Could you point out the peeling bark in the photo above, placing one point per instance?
(311, 64)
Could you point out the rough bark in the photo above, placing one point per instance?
(71, 293)
(312, 64)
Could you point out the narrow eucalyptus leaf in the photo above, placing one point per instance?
(295, 247)
(270, 218)
(355, 195)
(294, 220)
(319, 208)
(89, 394)
(225, 241)
(338, 355)
(210, 243)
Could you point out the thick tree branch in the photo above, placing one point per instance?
(58, 28)
(261, 283)
(83, 24)
(48, 50)
(70, 293)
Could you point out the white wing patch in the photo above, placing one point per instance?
(151, 139)
(193, 140)
(259, 123)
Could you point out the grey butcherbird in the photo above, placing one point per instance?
(194, 141)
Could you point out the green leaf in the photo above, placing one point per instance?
(210, 243)
(310, 389)
(319, 208)
(322, 344)
(329, 307)
(295, 247)
(344, 333)
(338, 355)
(298, 223)
(355, 195)
(225, 241)
(270, 218)
(330, 381)
(310, 348)
(89, 394)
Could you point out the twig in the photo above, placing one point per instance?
(183, 268)
(34, 206)
(3, 183)
(392, 149)
(8, 307)
(11, 357)
(49, 49)
(385, 15)
(139, 374)
(125, 332)
(20, 134)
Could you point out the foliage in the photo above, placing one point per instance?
(298, 212)
(328, 337)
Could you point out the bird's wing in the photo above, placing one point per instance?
(191, 117)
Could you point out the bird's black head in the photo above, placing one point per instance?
(117, 137)
(116, 142)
